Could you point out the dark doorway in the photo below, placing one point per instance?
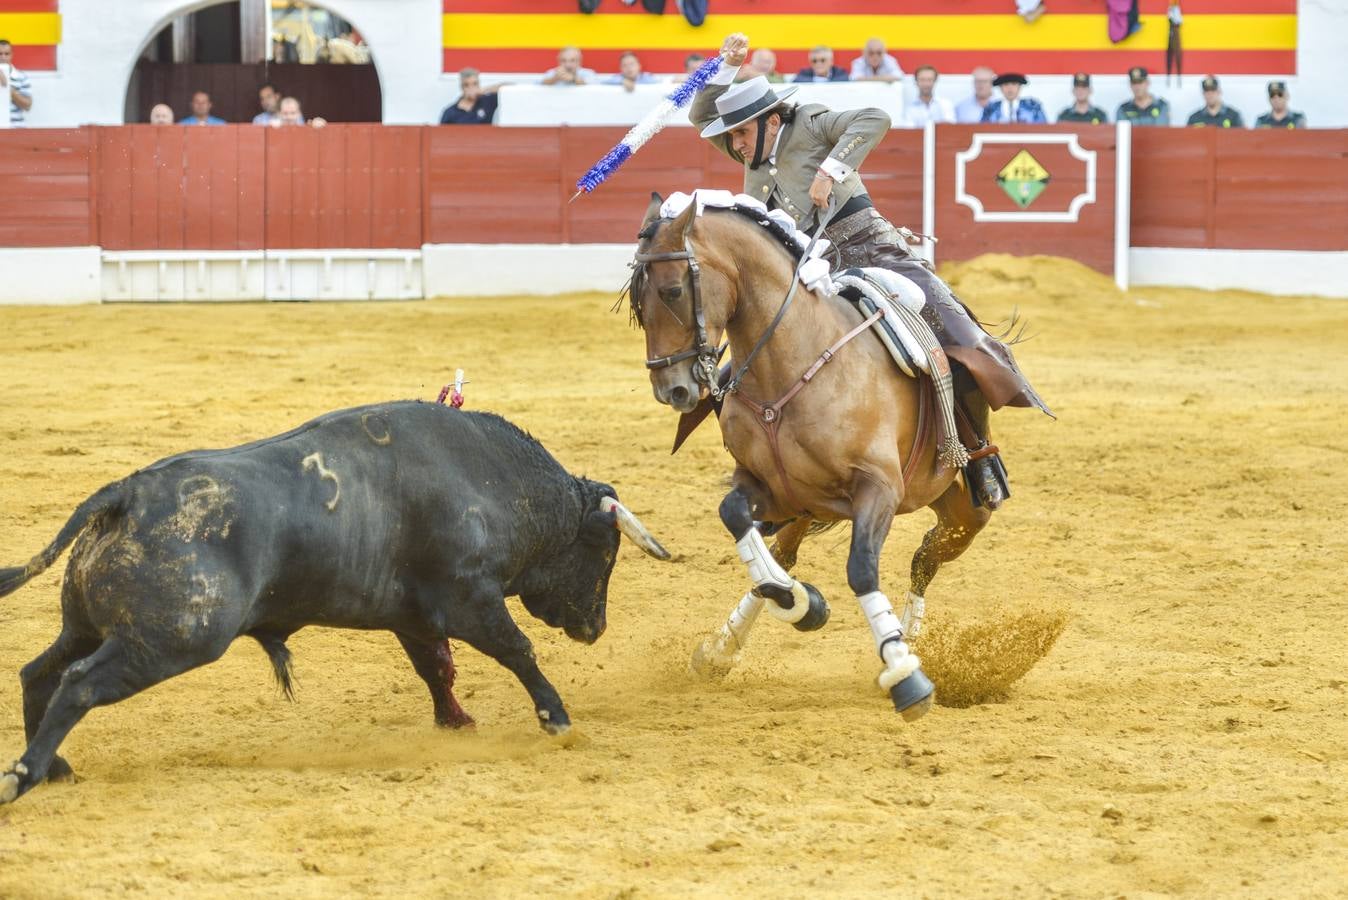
(327, 64)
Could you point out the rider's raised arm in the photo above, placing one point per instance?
(703, 111)
(853, 133)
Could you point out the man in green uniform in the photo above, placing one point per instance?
(1215, 113)
(1143, 109)
(1081, 110)
(1279, 116)
(794, 158)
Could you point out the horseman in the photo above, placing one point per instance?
(795, 158)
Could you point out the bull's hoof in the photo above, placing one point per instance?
(817, 616)
(9, 787)
(555, 724)
(913, 696)
(60, 771)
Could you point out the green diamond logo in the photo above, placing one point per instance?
(1023, 179)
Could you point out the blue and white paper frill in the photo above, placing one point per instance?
(648, 127)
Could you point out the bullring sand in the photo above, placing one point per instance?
(1182, 523)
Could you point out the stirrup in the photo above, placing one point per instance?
(985, 475)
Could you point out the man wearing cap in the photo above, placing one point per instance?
(1215, 113)
(1143, 109)
(795, 158)
(1014, 108)
(1081, 110)
(1279, 116)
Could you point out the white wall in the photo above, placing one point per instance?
(1285, 272)
(103, 38)
(50, 276)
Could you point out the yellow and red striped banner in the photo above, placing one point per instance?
(1227, 37)
(34, 28)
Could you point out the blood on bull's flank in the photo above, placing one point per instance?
(174, 562)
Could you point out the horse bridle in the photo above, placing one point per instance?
(704, 369)
(707, 356)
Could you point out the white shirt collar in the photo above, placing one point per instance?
(772, 157)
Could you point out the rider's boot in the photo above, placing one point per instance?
(984, 474)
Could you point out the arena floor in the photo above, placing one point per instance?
(1185, 735)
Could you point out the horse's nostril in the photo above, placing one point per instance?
(679, 395)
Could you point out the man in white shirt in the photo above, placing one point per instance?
(926, 106)
(971, 108)
(874, 64)
(15, 86)
(568, 70)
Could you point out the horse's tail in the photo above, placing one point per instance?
(1008, 326)
(104, 501)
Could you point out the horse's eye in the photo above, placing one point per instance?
(671, 293)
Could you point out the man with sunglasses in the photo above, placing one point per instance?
(1279, 116)
(821, 68)
(795, 158)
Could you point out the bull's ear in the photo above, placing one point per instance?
(653, 210)
(597, 525)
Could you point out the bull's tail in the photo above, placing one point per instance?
(109, 498)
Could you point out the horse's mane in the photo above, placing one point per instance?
(635, 286)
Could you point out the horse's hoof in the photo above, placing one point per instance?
(710, 662)
(913, 696)
(817, 616)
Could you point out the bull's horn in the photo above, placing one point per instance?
(631, 526)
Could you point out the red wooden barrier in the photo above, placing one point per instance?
(369, 186)
(46, 188)
(1269, 190)
(1088, 235)
(343, 186)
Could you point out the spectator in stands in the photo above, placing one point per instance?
(269, 98)
(289, 112)
(568, 70)
(1013, 108)
(476, 105)
(821, 67)
(1215, 113)
(874, 64)
(162, 114)
(629, 73)
(926, 106)
(1279, 116)
(201, 111)
(971, 108)
(1082, 110)
(763, 62)
(1143, 109)
(15, 84)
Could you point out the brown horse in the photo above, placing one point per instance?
(834, 445)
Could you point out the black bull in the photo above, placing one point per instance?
(408, 517)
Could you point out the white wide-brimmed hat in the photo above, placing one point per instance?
(745, 102)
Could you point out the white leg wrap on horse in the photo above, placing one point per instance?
(914, 608)
(742, 619)
(884, 624)
(900, 662)
(763, 569)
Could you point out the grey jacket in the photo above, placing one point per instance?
(817, 132)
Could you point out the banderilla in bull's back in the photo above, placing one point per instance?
(410, 517)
